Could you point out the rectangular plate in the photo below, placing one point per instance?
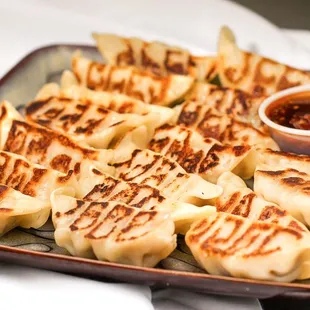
(37, 248)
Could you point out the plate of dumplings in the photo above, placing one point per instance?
(139, 162)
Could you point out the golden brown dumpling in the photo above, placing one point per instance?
(252, 73)
(204, 156)
(224, 128)
(238, 199)
(103, 187)
(129, 81)
(231, 245)
(155, 57)
(233, 102)
(112, 231)
(91, 124)
(146, 167)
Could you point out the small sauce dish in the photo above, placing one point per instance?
(287, 114)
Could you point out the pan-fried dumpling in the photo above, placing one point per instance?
(155, 57)
(46, 147)
(252, 73)
(106, 188)
(211, 124)
(85, 122)
(204, 156)
(233, 102)
(288, 188)
(17, 209)
(32, 179)
(112, 231)
(129, 81)
(116, 102)
(283, 160)
(238, 199)
(153, 169)
(226, 244)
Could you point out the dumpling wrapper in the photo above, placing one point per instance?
(240, 200)
(88, 123)
(231, 245)
(252, 73)
(48, 148)
(112, 231)
(284, 160)
(116, 102)
(288, 188)
(204, 156)
(224, 128)
(107, 188)
(31, 179)
(156, 57)
(233, 102)
(129, 81)
(153, 169)
(17, 209)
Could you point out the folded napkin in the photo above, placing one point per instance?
(25, 25)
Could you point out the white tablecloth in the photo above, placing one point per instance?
(25, 25)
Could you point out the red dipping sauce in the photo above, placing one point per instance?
(287, 115)
(291, 111)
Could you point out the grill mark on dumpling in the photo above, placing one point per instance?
(126, 57)
(175, 67)
(149, 64)
(292, 156)
(97, 172)
(272, 212)
(17, 177)
(118, 213)
(144, 168)
(3, 190)
(61, 163)
(90, 215)
(30, 188)
(188, 118)
(139, 220)
(105, 189)
(237, 205)
(65, 178)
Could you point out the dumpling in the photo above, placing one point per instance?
(17, 209)
(129, 81)
(231, 245)
(233, 102)
(153, 169)
(85, 122)
(211, 124)
(46, 147)
(116, 102)
(204, 156)
(155, 57)
(32, 179)
(107, 188)
(238, 199)
(112, 231)
(288, 188)
(252, 73)
(283, 160)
